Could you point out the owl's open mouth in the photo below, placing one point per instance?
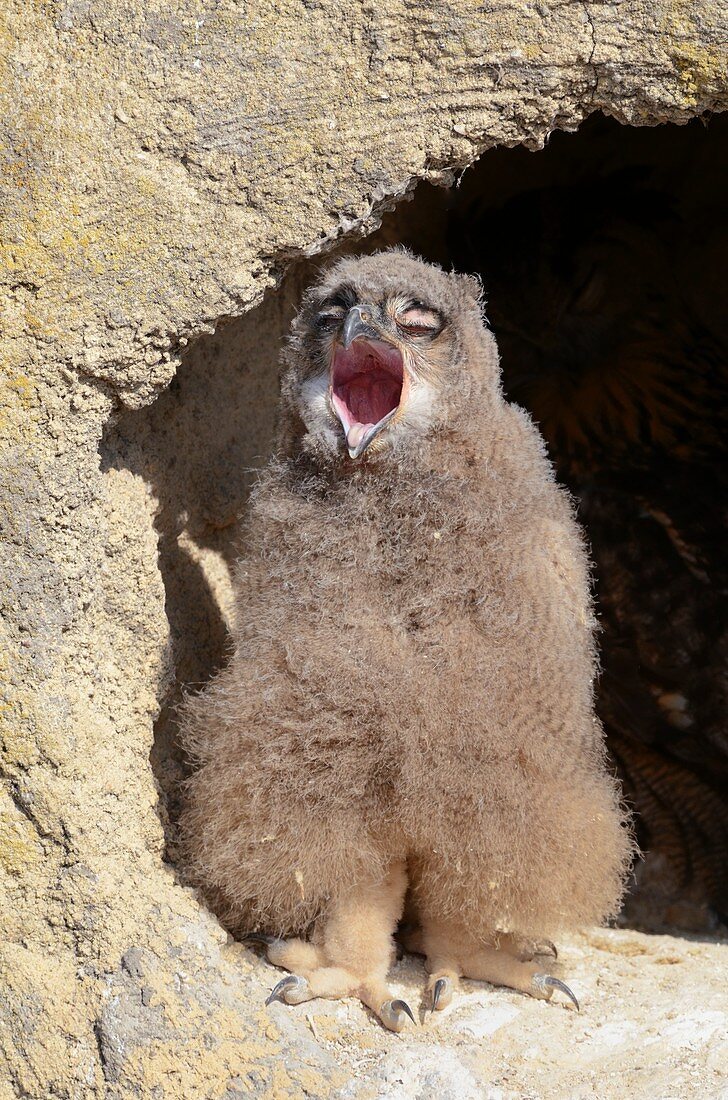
(367, 385)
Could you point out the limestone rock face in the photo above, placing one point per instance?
(162, 167)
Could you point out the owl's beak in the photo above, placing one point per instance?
(358, 324)
(368, 381)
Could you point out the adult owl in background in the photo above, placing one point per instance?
(607, 305)
(406, 718)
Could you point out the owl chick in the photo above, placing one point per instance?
(407, 717)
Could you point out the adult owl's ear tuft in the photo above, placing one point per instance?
(472, 285)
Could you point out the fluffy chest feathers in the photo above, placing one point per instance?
(369, 555)
(369, 588)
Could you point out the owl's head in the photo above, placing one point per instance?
(380, 356)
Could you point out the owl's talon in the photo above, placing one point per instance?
(545, 983)
(546, 947)
(392, 1014)
(261, 937)
(292, 990)
(441, 994)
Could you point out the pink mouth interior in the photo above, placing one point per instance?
(366, 385)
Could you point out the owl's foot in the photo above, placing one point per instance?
(503, 965)
(335, 982)
(411, 937)
(351, 952)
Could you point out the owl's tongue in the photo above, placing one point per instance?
(355, 435)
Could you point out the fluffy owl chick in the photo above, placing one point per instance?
(407, 712)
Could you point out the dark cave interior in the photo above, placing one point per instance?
(603, 264)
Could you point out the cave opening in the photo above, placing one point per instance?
(603, 263)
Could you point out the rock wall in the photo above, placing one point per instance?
(162, 167)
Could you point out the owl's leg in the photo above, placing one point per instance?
(352, 954)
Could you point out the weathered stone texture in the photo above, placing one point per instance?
(161, 167)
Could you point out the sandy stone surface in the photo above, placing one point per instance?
(162, 166)
(653, 1024)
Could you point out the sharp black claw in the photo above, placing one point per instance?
(260, 937)
(556, 983)
(551, 948)
(437, 992)
(404, 1007)
(284, 983)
